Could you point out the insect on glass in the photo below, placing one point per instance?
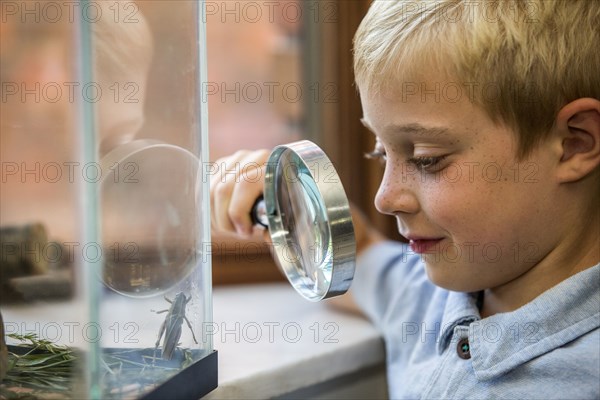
(171, 326)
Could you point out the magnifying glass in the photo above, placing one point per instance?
(149, 227)
(308, 216)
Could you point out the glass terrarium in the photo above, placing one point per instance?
(104, 217)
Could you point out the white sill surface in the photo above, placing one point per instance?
(271, 341)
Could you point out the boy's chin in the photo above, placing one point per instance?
(450, 276)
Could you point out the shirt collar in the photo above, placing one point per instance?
(504, 341)
(560, 315)
(461, 309)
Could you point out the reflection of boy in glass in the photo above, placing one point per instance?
(122, 57)
(40, 131)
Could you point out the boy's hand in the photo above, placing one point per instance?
(236, 184)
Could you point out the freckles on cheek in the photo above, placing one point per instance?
(457, 205)
(447, 210)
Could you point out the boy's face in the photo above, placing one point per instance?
(120, 118)
(479, 217)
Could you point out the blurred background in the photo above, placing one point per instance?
(278, 71)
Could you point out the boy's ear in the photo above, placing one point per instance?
(578, 125)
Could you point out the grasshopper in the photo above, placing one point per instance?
(171, 326)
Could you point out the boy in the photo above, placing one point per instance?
(487, 116)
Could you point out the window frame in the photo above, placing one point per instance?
(328, 48)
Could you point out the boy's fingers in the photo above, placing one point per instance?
(236, 185)
(247, 190)
(243, 198)
(221, 186)
(226, 167)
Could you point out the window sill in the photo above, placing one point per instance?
(272, 342)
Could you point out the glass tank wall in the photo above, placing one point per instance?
(104, 218)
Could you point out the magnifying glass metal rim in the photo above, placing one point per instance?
(339, 218)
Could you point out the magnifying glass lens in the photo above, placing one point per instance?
(309, 220)
(303, 213)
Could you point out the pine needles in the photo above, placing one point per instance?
(44, 367)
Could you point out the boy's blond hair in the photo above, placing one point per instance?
(121, 47)
(531, 56)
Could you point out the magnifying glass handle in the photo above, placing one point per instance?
(259, 213)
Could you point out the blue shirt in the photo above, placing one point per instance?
(438, 346)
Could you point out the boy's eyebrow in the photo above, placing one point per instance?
(418, 130)
(413, 129)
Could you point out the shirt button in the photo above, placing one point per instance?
(463, 349)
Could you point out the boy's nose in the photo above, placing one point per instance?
(394, 197)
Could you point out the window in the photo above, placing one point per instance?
(281, 71)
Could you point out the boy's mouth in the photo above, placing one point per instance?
(421, 246)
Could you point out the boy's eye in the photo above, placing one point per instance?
(425, 164)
